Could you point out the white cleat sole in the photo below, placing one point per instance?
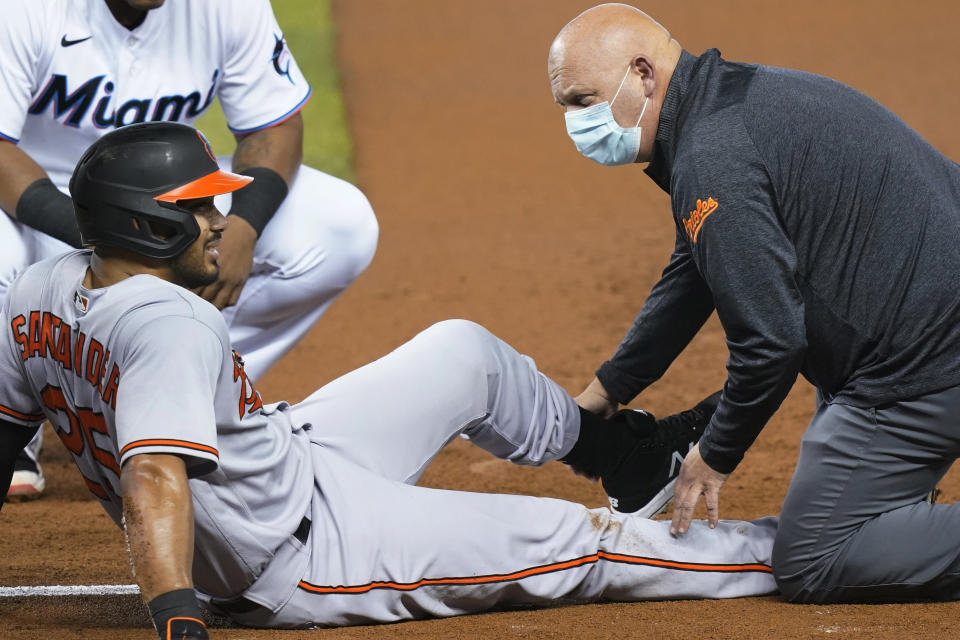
(26, 485)
(657, 505)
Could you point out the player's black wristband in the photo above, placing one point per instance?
(176, 614)
(258, 201)
(45, 208)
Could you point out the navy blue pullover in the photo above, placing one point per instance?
(823, 230)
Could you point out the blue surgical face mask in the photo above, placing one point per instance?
(598, 136)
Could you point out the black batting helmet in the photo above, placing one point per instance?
(126, 187)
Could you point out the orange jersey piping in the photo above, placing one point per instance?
(13, 413)
(169, 443)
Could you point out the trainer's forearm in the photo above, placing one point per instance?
(17, 172)
(158, 518)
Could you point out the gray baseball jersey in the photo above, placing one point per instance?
(145, 366)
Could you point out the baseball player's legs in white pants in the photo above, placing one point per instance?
(321, 238)
(384, 550)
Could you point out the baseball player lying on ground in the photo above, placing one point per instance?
(307, 515)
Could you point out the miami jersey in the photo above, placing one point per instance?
(145, 366)
(71, 72)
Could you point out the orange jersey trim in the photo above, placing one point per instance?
(535, 571)
(212, 184)
(169, 443)
(13, 413)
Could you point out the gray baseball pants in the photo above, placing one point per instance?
(383, 550)
(855, 526)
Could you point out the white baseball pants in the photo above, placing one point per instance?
(322, 237)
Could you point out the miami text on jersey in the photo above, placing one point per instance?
(76, 104)
(47, 336)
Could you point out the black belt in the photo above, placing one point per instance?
(243, 605)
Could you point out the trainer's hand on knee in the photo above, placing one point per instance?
(696, 479)
(595, 399)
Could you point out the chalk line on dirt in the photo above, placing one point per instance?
(70, 590)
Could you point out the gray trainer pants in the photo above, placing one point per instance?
(854, 525)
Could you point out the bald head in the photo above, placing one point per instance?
(607, 34)
(611, 47)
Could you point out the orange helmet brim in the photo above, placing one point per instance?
(212, 184)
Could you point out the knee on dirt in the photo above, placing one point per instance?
(798, 580)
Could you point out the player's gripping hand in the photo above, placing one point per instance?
(236, 260)
(176, 616)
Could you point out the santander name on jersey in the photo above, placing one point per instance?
(71, 72)
(145, 367)
(46, 335)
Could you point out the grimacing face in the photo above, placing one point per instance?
(198, 265)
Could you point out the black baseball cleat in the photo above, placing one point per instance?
(637, 457)
(643, 480)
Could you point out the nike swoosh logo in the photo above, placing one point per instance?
(69, 43)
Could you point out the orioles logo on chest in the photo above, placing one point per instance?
(694, 221)
(249, 397)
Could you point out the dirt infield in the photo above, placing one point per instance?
(487, 212)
